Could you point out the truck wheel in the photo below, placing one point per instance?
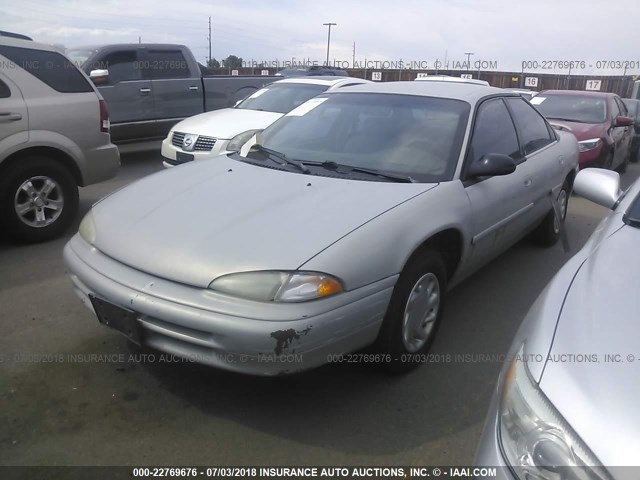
(548, 232)
(414, 313)
(38, 200)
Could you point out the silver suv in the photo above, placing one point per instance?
(54, 137)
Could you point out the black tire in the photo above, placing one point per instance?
(65, 191)
(391, 339)
(547, 234)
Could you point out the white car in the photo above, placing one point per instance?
(213, 133)
(447, 78)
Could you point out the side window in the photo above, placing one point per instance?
(615, 110)
(5, 92)
(621, 107)
(494, 132)
(51, 68)
(532, 128)
(166, 64)
(122, 65)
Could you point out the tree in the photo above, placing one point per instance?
(232, 62)
(213, 63)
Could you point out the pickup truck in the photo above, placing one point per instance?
(151, 87)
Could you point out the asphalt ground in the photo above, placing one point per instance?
(60, 406)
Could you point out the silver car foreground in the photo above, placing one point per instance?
(569, 396)
(341, 225)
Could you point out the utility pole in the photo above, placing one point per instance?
(329, 24)
(353, 63)
(139, 39)
(209, 38)
(468, 54)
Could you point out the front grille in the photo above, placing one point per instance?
(177, 139)
(203, 144)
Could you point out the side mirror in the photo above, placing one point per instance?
(99, 77)
(492, 165)
(598, 185)
(621, 121)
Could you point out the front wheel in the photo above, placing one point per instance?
(548, 232)
(414, 312)
(38, 200)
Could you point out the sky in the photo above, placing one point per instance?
(501, 34)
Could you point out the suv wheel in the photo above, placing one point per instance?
(38, 200)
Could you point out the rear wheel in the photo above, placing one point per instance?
(414, 313)
(38, 200)
(548, 232)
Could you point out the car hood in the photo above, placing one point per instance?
(193, 223)
(226, 123)
(582, 131)
(599, 398)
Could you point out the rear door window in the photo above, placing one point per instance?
(51, 68)
(5, 92)
(166, 64)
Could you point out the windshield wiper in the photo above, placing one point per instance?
(281, 156)
(331, 165)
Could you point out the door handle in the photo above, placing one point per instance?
(145, 91)
(194, 88)
(9, 117)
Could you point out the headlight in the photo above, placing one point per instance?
(586, 145)
(235, 144)
(87, 228)
(536, 441)
(273, 286)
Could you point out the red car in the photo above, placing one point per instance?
(599, 121)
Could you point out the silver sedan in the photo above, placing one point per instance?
(566, 402)
(340, 226)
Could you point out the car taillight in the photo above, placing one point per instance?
(104, 117)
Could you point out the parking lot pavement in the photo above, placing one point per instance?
(61, 406)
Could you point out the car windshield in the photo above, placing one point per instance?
(281, 97)
(79, 56)
(574, 108)
(414, 136)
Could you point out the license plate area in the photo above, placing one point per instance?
(182, 157)
(121, 319)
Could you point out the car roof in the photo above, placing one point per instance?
(580, 93)
(468, 92)
(448, 78)
(18, 42)
(330, 81)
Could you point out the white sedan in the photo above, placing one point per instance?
(225, 130)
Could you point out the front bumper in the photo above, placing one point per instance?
(170, 152)
(226, 332)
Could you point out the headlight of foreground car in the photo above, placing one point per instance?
(235, 144)
(87, 228)
(586, 145)
(270, 286)
(536, 441)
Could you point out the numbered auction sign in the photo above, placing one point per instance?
(466, 76)
(531, 81)
(594, 85)
(376, 76)
(264, 72)
(234, 72)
